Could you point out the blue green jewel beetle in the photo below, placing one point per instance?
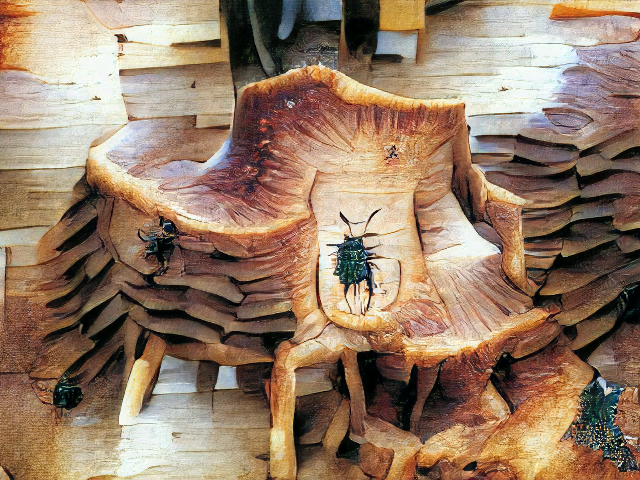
(160, 244)
(353, 265)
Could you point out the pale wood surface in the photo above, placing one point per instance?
(210, 434)
(177, 91)
(523, 83)
(61, 92)
(62, 89)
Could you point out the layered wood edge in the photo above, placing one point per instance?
(112, 179)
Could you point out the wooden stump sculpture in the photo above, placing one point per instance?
(199, 259)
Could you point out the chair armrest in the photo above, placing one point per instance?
(506, 219)
(504, 210)
(482, 200)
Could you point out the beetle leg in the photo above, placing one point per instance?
(164, 265)
(369, 283)
(146, 238)
(375, 266)
(346, 291)
(375, 257)
(141, 379)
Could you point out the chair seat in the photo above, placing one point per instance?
(466, 271)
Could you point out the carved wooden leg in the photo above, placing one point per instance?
(132, 333)
(140, 384)
(426, 380)
(282, 462)
(326, 348)
(356, 392)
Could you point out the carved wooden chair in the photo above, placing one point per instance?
(257, 227)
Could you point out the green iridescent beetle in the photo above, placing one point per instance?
(67, 396)
(160, 245)
(353, 265)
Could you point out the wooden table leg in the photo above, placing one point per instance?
(140, 384)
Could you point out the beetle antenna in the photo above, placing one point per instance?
(370, 217)
(346, 220)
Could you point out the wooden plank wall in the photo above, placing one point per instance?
(60, 90)
(63, 87)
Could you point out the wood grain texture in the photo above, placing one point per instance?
(44, 87)
(552, 99)
(62, 91)
(178, 91)
(263, 210)
(117, 15)
(569, 155)
(48, 193)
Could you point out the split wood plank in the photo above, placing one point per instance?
(625, 183)
(536, 261)
(172, 34)
(507, 124)
(538, 222)
(30, 102)
(544, 247)
(494, 144)
(485, 93)
(49, 147)
(558, 155)
(57, 74)
(540, 192)
(178, 91)
(594, 327)
(585, 301)
(48, 193)
(525, 170)
(115, 14)
(596, 163)
(143, 55)
(578, 273)
(586, 235)
(528, 22)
